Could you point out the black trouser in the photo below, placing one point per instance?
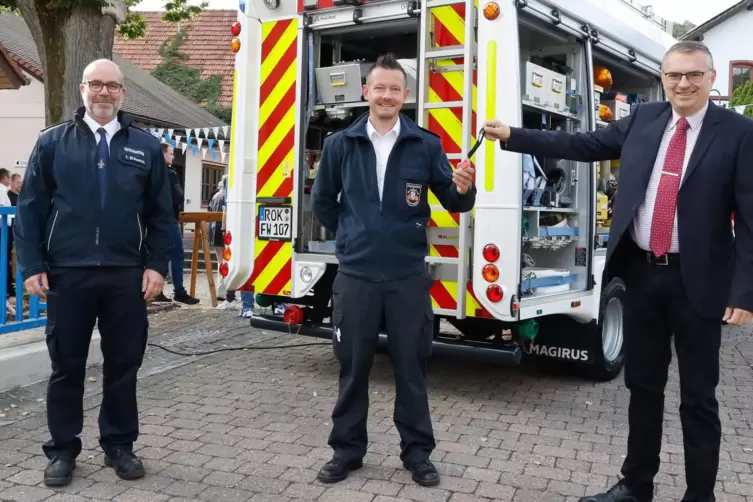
(656, 307)
(359, 308)
(77, 298)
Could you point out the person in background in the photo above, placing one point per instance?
(15, 187)
(217, 205)
(94, 232)
(686, 165)
(178, 257)
(8, 199)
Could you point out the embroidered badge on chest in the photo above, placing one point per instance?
(412, 194)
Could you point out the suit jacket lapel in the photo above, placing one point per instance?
(706, 136)
(651, 137)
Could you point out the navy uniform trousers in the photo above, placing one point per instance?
(78, 298)
(360, 309)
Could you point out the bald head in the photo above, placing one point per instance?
(102, 65)
(102, 90)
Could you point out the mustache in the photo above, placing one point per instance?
(103, 100)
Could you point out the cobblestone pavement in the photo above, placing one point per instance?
(252, 426)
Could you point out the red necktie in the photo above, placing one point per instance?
(666, 196)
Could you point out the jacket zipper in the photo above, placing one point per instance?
(52, 229)
(141, 235)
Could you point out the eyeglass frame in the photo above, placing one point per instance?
(89, 83)
(687, 74)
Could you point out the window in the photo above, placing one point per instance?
(740, 73)
(211, 174)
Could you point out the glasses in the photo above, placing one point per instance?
(694, 77)
(96, 86)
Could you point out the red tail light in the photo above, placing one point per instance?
(491, 253)
(224, 269)
(494, 293)
(236, 29)
(227, 238)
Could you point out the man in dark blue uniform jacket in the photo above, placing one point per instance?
(372, 193)
(93, 236)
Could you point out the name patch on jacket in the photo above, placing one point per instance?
(134, 156)
(412, 194)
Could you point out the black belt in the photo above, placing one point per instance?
(663, 260)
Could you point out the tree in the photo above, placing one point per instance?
(679, 29)
(69, 34)
(743, 95)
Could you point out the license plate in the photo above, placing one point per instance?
(275, 223)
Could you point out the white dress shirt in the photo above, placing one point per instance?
(110, 128)
(382, 147)
(641, 228)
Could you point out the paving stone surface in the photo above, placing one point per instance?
(252, 425)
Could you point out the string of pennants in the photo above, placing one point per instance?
(194, 142)
(740, 108)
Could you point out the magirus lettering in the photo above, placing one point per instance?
(559, 352)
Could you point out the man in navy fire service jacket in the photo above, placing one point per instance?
(372, 192)
(93, 236)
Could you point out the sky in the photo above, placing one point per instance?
(695, 11)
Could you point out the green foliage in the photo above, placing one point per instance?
(743, 96)
(187, 79)
(135, 24)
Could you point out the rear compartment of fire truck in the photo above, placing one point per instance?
(560, 228)
(562, 231)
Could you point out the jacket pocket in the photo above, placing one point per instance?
(141, 231)
(52, 229)
(132, 172)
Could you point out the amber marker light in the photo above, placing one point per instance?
(491, 11)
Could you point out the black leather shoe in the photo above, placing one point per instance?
(618, 493)
(59, 471)
(424, 473)
(127, 465)
(336, 470)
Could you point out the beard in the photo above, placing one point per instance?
(102, 108)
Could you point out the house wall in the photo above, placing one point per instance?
(199, 170)
(730, 41)
(21, 119)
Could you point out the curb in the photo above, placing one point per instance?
(28, 363)
(161, 307)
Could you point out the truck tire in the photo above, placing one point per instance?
(608, 334)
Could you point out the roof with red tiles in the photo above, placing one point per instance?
(10, 68)
(207, 46)
(149, 99)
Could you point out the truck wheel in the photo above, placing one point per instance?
(609, 334)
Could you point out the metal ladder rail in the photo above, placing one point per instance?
(468, 52)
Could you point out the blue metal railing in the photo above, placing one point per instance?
(18, 323)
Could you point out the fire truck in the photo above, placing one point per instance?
(523, 273)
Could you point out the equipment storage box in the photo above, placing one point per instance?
(556, 91)
(535, 83)
(343, 82)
